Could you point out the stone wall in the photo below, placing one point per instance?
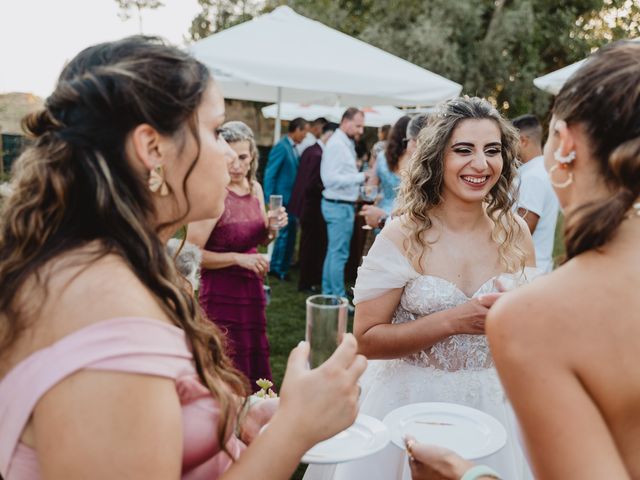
(249, 113)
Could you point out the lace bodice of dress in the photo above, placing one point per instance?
(428, 294)
(241, 227)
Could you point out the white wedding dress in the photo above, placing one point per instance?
(458, 369)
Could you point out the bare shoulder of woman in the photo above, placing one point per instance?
(257, 190)
(80, 288)
(120, 422)
(530, 312)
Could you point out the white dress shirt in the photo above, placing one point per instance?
(308, 140)
(536, 195)
(338, 169)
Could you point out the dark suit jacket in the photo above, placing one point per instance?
(281, 171)
(307, 190)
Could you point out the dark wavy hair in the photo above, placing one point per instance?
(396, 144)
(421, 190)
(604, 97)
(75, 187)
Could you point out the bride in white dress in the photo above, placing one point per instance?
(424, 289)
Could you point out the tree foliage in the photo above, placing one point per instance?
(127, 5)
(494, 48)
(217, 15)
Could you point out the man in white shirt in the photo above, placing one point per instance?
(341, 180)
(537, 202)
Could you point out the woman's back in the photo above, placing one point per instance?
(577, 334)
(607, 359)
(389, 183)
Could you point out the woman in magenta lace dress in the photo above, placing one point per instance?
(231, 288)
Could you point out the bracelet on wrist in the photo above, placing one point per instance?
(480, 471)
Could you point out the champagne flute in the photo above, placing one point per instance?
(326, 325)
(368, 195)
(275, 203)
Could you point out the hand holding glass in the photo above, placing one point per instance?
(326, 326)
(368, 195)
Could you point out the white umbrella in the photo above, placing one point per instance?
(284, 56)
(553, 82)
(374, 116)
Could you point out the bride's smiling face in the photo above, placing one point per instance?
(472, 160)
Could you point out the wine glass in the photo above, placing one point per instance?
(368, 195)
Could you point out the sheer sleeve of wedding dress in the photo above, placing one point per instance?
(383, 269)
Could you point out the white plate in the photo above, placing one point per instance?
(470, 433)
(365, 437)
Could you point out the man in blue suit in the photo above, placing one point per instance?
(279, 178)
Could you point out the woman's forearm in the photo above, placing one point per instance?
(217, 260)
(395, 340)
(271, 455)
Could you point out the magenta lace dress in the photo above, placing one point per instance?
(233, 297)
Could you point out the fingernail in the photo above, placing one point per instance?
(302, 342)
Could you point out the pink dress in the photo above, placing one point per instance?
(129, 344)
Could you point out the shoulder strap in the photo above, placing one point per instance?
(131, 344)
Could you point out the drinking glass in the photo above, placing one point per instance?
(326, 326)
(368, 195)
(275, 203)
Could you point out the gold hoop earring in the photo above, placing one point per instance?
(157, 183)
(567, 182)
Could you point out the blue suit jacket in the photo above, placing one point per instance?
(281, 171)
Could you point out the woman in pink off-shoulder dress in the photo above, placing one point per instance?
(108, 369)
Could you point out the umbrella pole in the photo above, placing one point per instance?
(276, 132)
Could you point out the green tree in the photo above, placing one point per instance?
(127, 5)
(494, 48)
(217, 15)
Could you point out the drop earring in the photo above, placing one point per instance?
(157, 182)
(563, 164)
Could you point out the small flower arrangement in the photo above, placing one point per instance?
(265, 389)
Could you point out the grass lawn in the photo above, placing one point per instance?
(285, 328)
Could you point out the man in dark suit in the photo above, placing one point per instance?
(305, 204)
(279, 177)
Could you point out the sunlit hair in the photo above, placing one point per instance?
(237, 131)
(75, 187)
(604, 97)
(421, 189)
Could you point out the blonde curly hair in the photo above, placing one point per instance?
(421, 188)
